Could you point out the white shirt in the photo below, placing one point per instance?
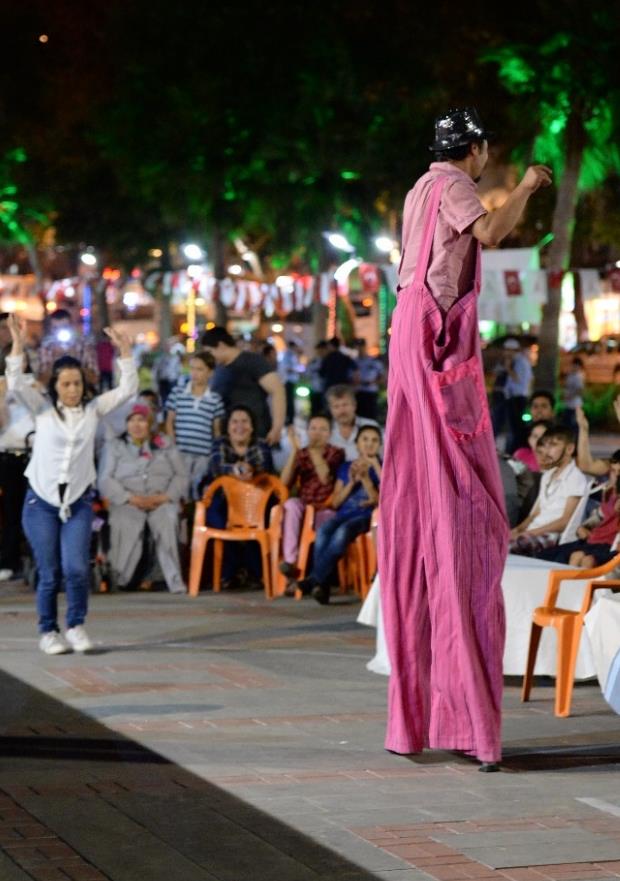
(555, 492)
(63, 449)
(348, 444)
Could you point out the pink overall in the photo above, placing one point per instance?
(443, 530)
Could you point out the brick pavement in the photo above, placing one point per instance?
(231, 738)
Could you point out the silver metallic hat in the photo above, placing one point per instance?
(458, 127)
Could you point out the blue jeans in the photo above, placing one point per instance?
(61, 550)
(332, 540)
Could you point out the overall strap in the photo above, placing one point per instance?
(430, 222)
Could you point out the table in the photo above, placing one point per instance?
(524, 584)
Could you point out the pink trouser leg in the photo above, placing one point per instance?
(291, 529)
(322, 517)
(404, 595)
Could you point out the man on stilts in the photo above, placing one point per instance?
(443, 530)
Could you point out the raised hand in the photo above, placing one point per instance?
(537, 176)
(17, 330)
(582, 421)
(120, 340)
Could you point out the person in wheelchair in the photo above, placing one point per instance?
(143, 477)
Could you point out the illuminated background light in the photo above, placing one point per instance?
(192, 252)
(384, 244)
(277, 328)
(235, 269)
(340, 242)
(88, 259)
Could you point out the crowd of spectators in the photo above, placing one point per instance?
(230, 409)
(227, 409)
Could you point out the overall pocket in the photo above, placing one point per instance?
(461, 399)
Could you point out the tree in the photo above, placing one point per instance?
(20, 223)
(570, 86)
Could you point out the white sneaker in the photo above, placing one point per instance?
(78, 639)
(52, 643)
(6, 574)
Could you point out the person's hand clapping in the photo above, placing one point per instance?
(293, 438)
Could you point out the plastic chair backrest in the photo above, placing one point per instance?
(246, 501)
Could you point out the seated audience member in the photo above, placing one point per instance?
(597, 534)
(312, 472)
(527, 455)
(346, 424)
(561, 488)
(240, 454)
(356, 493)
(143, 477)
(194, 416)
(542, 405)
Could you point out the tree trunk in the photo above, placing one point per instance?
(580, 313)
(219, 272)
(165, 313)
(560, 252)
(103, 313)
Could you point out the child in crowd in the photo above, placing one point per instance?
(356, 493)
(312, 471)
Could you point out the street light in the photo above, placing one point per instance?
(384, 244)
(88, 259)
(192, 252)
(339, 241)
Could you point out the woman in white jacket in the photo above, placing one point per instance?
(57, 515)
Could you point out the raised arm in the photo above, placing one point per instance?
(128, 384)
(31, 396)
(492, 228)
(272, 384)
(585, 460)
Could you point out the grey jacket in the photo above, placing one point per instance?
(123, 472)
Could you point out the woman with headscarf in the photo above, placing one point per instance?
(143, 477)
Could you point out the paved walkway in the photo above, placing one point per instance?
(232, 738)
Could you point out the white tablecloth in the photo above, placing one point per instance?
(603, 629)
(524, 584)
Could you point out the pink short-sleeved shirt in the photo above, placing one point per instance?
(453, 256)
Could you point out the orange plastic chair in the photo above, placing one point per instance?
(247, 504)
(568, 624)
